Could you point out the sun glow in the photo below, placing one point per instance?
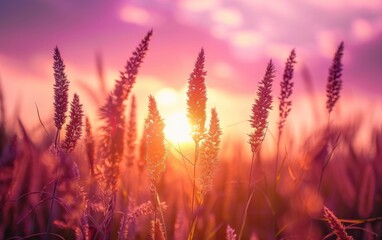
(170, 104)
(177, 129)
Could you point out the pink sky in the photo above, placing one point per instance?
(239, 38)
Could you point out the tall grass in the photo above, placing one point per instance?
(196, 102)
(105, 184)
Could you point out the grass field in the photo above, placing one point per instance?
(78, 181)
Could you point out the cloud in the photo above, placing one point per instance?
(328, 41)
(362, 29)
(223, 70)
(279, 51)
(137, 15)
(198, 5)
(373, 5)
(247, 44)
(229, 17)
(247, 39)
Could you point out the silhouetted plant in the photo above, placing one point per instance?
(209, 154)
(113, 114)
(74, 128)
(155, 148)
(334, 84)
(61, 89)
(336, 225)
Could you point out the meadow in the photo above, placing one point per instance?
(78, 181)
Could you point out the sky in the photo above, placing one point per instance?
(239, 38)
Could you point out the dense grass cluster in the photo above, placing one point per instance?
(103, 184)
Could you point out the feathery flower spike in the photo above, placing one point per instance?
(131, 134)
(336, 225)
(90, 145)
(61, 88)
(260, 109)
(197, 98)
(155, 148)
(286, 90)
(334, 83)
(113, 113)
(230, 233)
(209, 152)
(73, 129)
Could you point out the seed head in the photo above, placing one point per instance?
(73, 129)
(260, 109)
(286, 90)
(155, 148)
(61, 88)
(334, 83)
(197, 98)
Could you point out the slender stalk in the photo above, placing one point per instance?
(191, 235)
(158, 203)
(112, 217)
(57, 139)
(52, 203)
(194, 221)
(276, 181)
(285, 104)
(277, 161)
(250, 174)
(194, 179)
(327, 158)
(245, 214)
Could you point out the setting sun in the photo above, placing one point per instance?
(177, 129)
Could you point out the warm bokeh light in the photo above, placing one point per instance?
(177, 129)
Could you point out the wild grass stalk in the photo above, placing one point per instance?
(334, 83)
(367, 192)
(260, 113)
(196, 102)
(61, 97)
(74, 128)
(333, 87)
(113, 115)
(155, 161)
(131, 134)
(73, 133)
(209, 155)
(112, 145)
(208, 163)
(230, 233)
(61, 102)
(336, 226)
(2, 108)
(155, 148)
(259, 122)
(90, 146)
(285, 104)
